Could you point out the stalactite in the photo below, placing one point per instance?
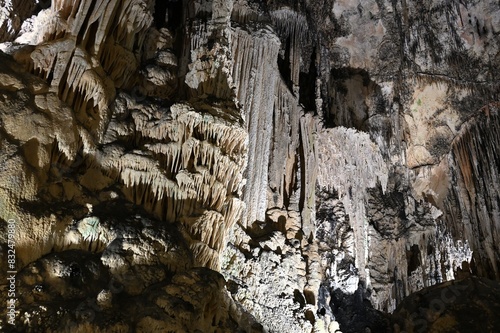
(284, 147)
(293, 25)
(350, 172)
(75, 38)
(255, 76)
(475, 164)
(189, 172)
(120, 63)
(205, 256)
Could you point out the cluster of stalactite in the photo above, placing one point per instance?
(474, 200)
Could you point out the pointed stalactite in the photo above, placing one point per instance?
(191, 172)
(475, 164)
(284, 147)
(350, 172)
(293, 26)
(88, 49)
(255, 75)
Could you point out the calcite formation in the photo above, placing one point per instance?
(248, 166)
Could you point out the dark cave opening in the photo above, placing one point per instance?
(160, 13)
(354, 100)
(348, 94)
(413, 257)
(168, 13)
(41, 5)
(307, 84)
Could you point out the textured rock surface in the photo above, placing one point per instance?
(225, 166)
(468, 305)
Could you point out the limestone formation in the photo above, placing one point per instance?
(250, 166)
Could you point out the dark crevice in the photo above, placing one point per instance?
(174, 14)
(92, 32)
(284, 65)
(413, 257)
(160, 13)
(307, 83)
(84, 26)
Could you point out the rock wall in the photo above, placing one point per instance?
(224, 166)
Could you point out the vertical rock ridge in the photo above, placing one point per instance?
(475, 165)
(255, 76)
(284, 156)
(346, 173)
(292, 27)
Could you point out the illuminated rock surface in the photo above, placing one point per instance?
(241, 166)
